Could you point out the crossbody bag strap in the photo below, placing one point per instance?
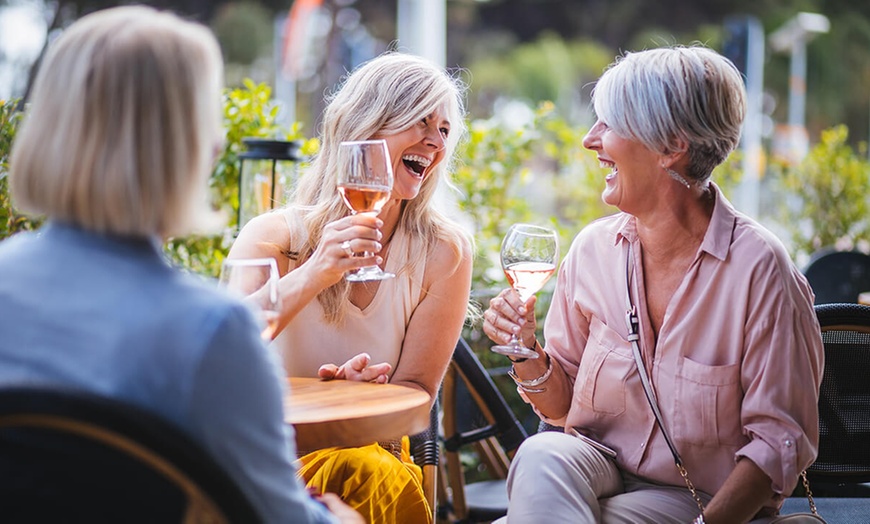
(632, 322)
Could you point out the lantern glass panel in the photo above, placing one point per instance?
(267, 174)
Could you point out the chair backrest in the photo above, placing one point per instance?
(72, 456)
(477, 415)
(838, 276)
(502, 423)
(844, 398)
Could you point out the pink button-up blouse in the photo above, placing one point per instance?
(736, 367)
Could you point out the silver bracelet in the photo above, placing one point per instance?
(531, 386)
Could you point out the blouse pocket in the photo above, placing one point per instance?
(707, 404)
(605, 365)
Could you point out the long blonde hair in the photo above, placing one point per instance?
(384, 96)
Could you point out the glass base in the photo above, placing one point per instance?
(515, 350)
(365, 274)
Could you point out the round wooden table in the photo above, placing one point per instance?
(345, 413)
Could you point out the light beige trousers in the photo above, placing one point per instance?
(560, 478)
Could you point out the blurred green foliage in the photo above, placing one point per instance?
(547, 69)
(10, 220)
(244, 29)
(828, 204)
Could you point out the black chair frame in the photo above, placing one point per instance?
(81, 456)
(495, 441)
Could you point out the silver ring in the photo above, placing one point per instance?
(346, 247)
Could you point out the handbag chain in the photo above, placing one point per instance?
(809, 493)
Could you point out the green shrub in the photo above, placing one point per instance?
(11, 221)
(827, 196)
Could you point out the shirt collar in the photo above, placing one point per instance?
(717, 239)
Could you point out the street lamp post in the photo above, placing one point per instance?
(412, 15)
(793, 37)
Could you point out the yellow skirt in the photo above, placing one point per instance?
(382, 488)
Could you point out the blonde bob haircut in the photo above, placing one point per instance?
(382, 97)
(123, 125)
(666, 97)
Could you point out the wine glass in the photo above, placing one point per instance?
(255, 282)
(365, 181)
(528, 256)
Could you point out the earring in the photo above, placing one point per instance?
(678, 177)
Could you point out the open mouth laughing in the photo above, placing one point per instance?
(416, 163)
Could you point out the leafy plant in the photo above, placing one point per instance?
(828, 189)
(11, 221)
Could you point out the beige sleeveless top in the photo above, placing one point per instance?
(309, 341)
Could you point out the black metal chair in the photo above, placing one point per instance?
(70, 456)
(476, 417)
(838, 276)
(838, 476)
(426, 454)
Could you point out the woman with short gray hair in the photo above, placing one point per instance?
(672, 325)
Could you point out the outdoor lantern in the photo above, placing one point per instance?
(267, 169)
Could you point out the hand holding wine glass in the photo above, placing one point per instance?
(255, 282)
(529, 255)
(365, 182)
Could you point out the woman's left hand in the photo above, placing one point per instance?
(358, 369)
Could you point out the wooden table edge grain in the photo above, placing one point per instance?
(347, 414)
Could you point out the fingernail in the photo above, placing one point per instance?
(380, 223)
(522, 310)
(379, 260)
(379, 246)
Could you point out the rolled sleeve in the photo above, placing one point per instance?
(780, 410)
(777, 461)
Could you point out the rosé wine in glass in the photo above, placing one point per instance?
(529, 255)
(365, 182)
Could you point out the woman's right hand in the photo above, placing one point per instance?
(507, 316)
(352, 234)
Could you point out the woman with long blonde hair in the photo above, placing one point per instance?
(409, 325)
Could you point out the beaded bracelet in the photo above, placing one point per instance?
(531, 386)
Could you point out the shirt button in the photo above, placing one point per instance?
(788, 443)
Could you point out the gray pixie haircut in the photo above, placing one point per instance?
(122, 129)
(661, 97)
